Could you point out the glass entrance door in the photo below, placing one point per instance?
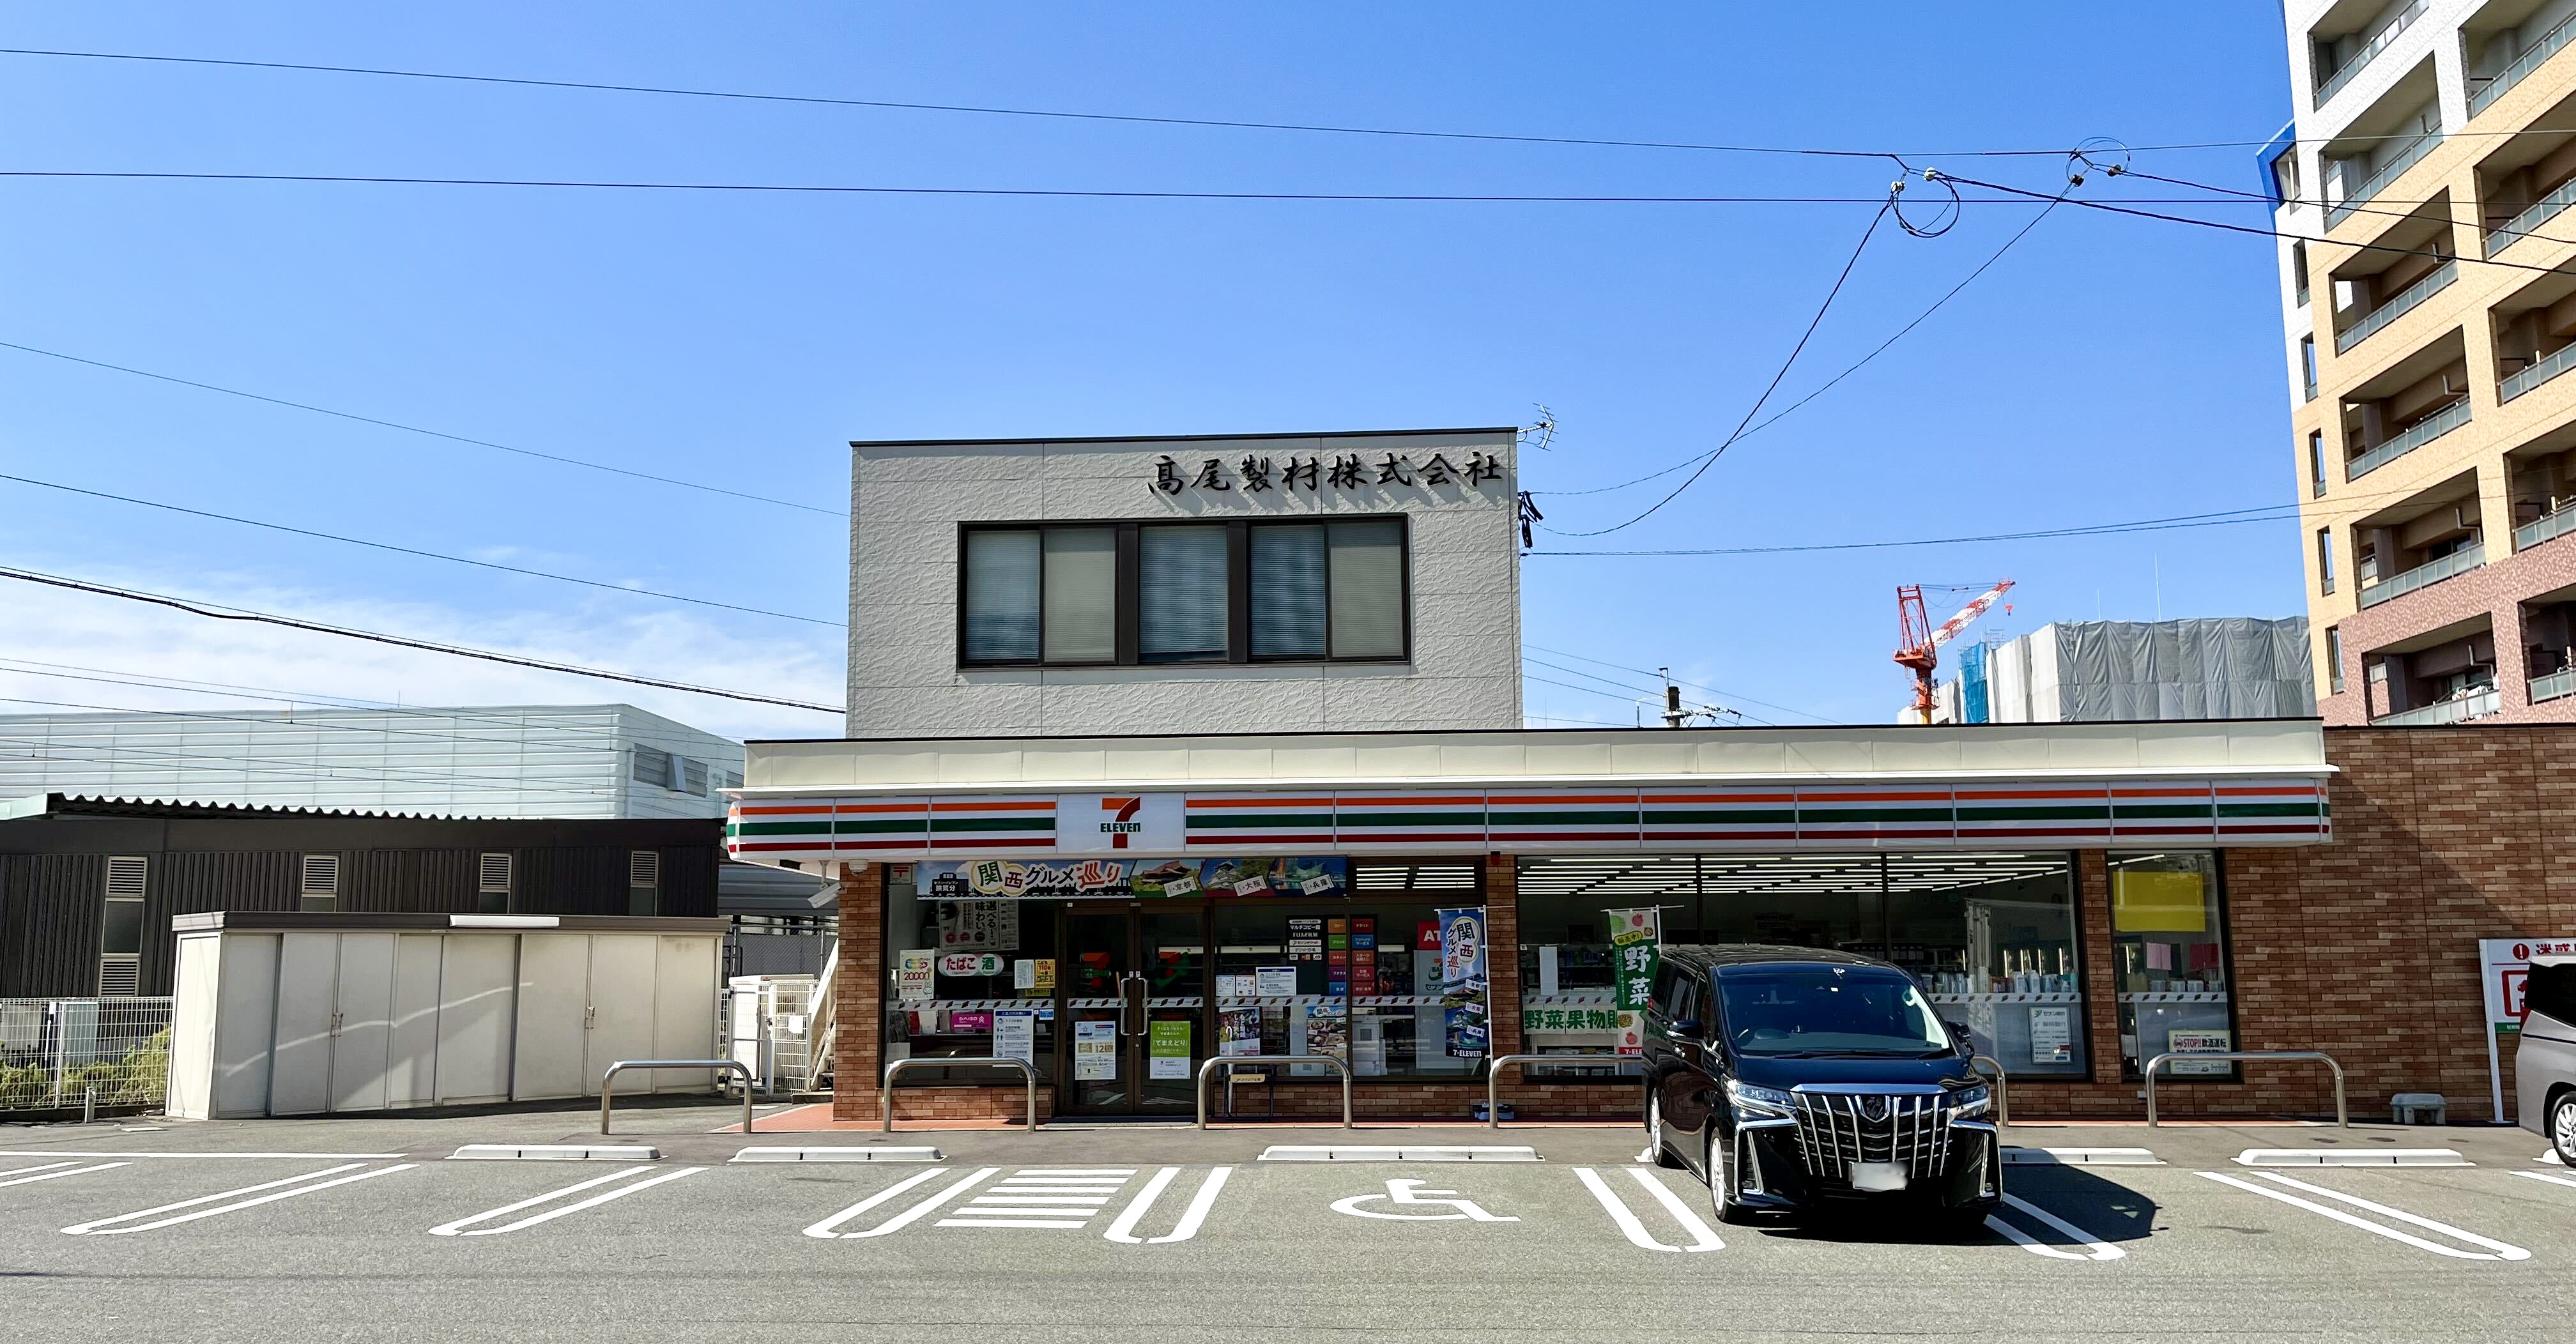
(1135, 1007)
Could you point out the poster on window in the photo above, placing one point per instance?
(2199, 1043)
(1462, 980)
(1634, 938)
(912, 972)
(1167, 1049)
(979, 926)
(1095, 1052)
(2052, 1035)
(1239, 1031)
(1015, 1035)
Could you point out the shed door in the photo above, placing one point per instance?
(477, 975)
(411, 1073)
(554, 970)
(308, 978)
(621, 1007)
(362, 1041)
(684, 1011)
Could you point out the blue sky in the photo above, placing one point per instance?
(2107, 369)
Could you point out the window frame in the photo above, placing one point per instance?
(1128, 598)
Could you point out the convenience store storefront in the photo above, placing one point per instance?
(1119, 910)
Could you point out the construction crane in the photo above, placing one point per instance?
(1919, 645)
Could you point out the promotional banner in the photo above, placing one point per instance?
(1462, 981)
(985, 881)
(978, 926)
(1634, 938)
(912, 972)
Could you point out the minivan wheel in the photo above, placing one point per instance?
(2562, 1128)
(1721, 1184)
(1662, 1151)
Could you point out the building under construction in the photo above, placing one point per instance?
(2235, 667)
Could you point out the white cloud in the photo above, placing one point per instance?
(59, 626)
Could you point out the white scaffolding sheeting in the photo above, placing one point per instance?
(2234, 667)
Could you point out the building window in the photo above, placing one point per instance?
(643, 882)
(2285, 176)
(693, 777)
(2308, 365)
(318, 889)
(652, 766)
(2334, 660)
(2299, 269)
(492, 885)
(2325, 560)
(1148, 593)
(2316, 463)
(2169, 956)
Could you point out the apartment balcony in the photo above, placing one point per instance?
(2557, 685)
(2422, 432)
(2473, 706)
(2399, 304)
(2405, 158)
(2544, 528)
(2534, 374)
(2540, 212)
(2540, 51)
(2379, 42)
(2397, 585)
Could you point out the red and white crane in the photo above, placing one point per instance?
(1919, 645)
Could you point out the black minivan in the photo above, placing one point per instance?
(1802, 1079)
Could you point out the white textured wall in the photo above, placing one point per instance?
(906, 501)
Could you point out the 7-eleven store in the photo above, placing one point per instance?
(1117, 910)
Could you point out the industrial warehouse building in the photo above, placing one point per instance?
(1166, 750)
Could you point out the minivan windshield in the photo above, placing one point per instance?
(1828, 1010)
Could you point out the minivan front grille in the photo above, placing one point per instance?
(1836, 1129)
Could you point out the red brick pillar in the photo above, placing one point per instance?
(1503, 953)
(859, 995)
(2101, 976)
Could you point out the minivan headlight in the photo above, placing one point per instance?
(1970, 1102)
(1753, 1100)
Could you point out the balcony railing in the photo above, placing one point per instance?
(2398, 305)
(2545, 527)
(2379, 42)
(2539, 212)
(2557, 685)
(2535, 373)
(2473, 706)
(2422, 432)
(2530, 60)
(2461, 561)
(2407, 157)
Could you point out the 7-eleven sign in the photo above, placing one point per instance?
(1119, 823)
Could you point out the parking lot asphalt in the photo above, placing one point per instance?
(369, 1230)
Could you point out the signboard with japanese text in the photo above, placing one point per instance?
(989, 880)
(1095, 1052)
(1463, 985)
(1167, 1048)
(2199, 1043)
(1015, 1035)
(2503, 965)
(978, 926)
(912, 974)
(1633, 943)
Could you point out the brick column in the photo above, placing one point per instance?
(2101, 975)
(1503, 953)
(859, 995)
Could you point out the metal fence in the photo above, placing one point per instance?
(53, 1052)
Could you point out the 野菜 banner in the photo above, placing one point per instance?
(1060, 879)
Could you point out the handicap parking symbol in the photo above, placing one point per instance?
(1403, 1195)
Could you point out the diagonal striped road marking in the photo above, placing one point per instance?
(830, 1227)
(305, 1184)
(1703, 1237)
(2545, 1176)
(2496, 1250)
(2095, 1248)
(44, 1171)
(460, 1227)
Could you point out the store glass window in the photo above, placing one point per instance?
(2168, 949)
(1181, 586)
(959, 969)
(1357, 976)
(1991, 936)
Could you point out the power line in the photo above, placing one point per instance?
(415, 429)
(1829, 383)
(1635, 693)
(219, 612)
(2267, 513)
(426, 555)
(1773, 386)
(885, 104)
(1697, 686)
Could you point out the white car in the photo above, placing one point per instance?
(2544, 1064)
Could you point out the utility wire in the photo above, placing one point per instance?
(2261, 514)
(1783, 412)
(1884, 210)
(1696, 686)
(426, 555)
(415, 429)
(223, 613)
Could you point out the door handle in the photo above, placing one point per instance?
(589, 1016)
(1132, 1010)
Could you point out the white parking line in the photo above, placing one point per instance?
(323, 1157)
(2545, 1176)
(30, 1175)
(2096, 1248)
(458, 1228)
(1703, 1237)
(2496, 1250)
(830, 1227)
(305, 1184)
(1061, 1198)
(1124, 1229)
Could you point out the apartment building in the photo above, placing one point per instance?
(2429, 304)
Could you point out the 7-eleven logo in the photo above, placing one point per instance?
(1122, 822)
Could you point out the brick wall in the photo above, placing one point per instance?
(859, 994)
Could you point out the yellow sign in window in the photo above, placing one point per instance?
(2150, 902)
